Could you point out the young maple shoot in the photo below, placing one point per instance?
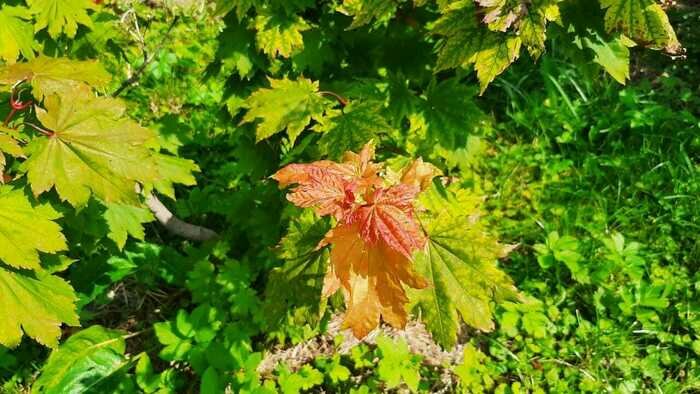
(377, 237)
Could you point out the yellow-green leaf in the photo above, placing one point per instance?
(49, 75)
(644, 21)
(26, 230)
(124, 220)
(286, 105)
(61, 16)
(280, 34)
(460, 263)
(16, 33)
(93, 149)
(36, 305)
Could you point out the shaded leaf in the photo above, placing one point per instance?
(644, 21)
(351, 128)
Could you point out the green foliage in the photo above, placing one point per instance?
(593, 184)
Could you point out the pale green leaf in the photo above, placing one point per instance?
(34, 304)
(644, 21)
(26, 230)
(49, 75)
(460, 263)
(124, 220)
(613, 55)
(94, 149)
(16, 34)
(61, 16)
(82, 362)
(286, 105)
(351, 128)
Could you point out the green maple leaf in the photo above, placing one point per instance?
(350, 129)
(124, 220)
(286, 105)
(367, 11)
(466, 41)
(35, 304)
(26, 230)
(16, 34)
(644, 21)
(532, 26)
(298, 282)
(448, 115)
(10, 146)
(171, 170)
(61, 16)
(94, 149)
(460, 262)
(83, 361)
(49, 75)
(280, 34)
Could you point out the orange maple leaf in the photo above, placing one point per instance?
(376, 235)
(371, 278)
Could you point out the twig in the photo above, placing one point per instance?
(175, 225)
(147, 59)
(342, 100)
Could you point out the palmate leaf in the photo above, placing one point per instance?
(49, 75)
(350, 129)
(286, 105)
(35, 304)
(26, 230)
(368, 11)
(16, 34)
(61, 16)
(460, 264)
(280, 34)
(82, 362)
(644, 21)
(94, 149)
(466, 41)
(124, 220)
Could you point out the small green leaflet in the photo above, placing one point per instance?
(351, 128)
(398, 364)
(16, 34)
(26, 230)
(94, 150)
(49, 75)
(465, 41)
(613, 55)
(286, 105)
(124, 220)
(36, 304)
(61, 16)
(280, 34)
(460, 262)
(82, 362)
(644, 21)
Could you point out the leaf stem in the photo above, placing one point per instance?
(342, 100)
(42, 130)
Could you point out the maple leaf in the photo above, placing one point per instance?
(388, 217)
(280, 34)
(61, 16)
(502, 14)
(613, 56)
(372, 278)
(26, 230)
(460, 264)
(466, 41)
(171, 170)
(352, 128)
(286, 105)
(10, 146)
(124, 220)
(17, 34)
(532, 25)
(366, 11)
(49, 75)
(35, 304)
(644, 21)
(92, 149)
(419, 174)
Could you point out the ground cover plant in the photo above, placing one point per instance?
(351, 196)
